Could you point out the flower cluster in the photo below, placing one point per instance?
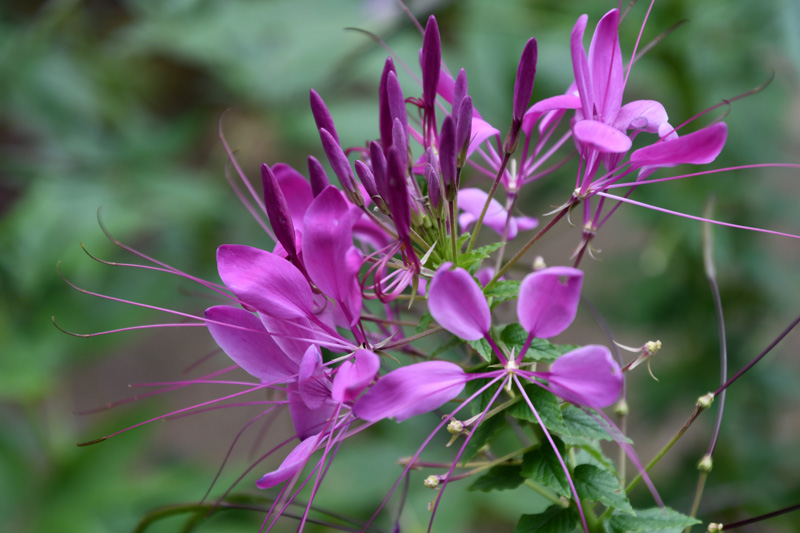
(317, 319)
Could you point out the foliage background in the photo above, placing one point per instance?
(116, 105)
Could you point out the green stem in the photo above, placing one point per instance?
(698, 495)
(479, 223)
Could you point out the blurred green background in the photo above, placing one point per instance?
(116, 105)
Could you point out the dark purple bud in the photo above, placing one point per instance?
(434, 186)
(397, 103)
(447, 156)
(431, 62)
(384, 114)
(459, 91)
(321, 114)
(398, 193)
(400, 141)
(278, 212)
(526, 72)
(337, 159)
(367, 178)
(379, 170)
(464, 128)
(317, 176)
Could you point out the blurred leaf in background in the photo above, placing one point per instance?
(115, 105)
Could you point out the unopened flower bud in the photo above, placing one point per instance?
(278, 211)
(455, 426)
(317, 176)
(447, 157)
(706, 464)
(459, 92)
(705, 401)
(431, 63)
(539, 264)
(431, 481)
(322, 116)
(621, 408)
(384, 113)
(714, 527)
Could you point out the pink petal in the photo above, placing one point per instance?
(697, 148)
(471, 201)
(296, 189)
(457, 303)
(580, 66)
(293, 463)
(307, 420)
(353, 377)
(411, 390)
(546, 305)
(313, 383)
(559, 102)
(481, 130)
(647, 115)
(249, 345)
(601, 136)
(587, 376)
(262, 280)
(605, 61)
(331, 259)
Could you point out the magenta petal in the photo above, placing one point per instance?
(546, 305)
(580, 66)
(313, 383)
(457, 303)
(605, 61)
(411, 390)
(293, 463)
(560, 102)
(328, 252)
(481, 130)
(587, 376)
(265, 281)
(697, 148)
(471, 201)
(601, 136)
(353, 377)
(307, 420)
(248, 344)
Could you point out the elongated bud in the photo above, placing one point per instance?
(398, 193)
(317, 176)
(397, 103)
(278, 211)
(341, 166)
(523, 89)
(322, 116)
(400, 141)
(379, 171)
(447, 157)
(384, 113)
(459, 91)
(434, 187)
(431, 63)
(463, 129)
(367, 179)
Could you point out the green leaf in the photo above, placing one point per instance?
(482, 347)
(513, 335)
(555, 519)
(602, 486)
(472, 261)
(500, 477)
(424, 322)
(650, 520)
(483, 435)
(501, 291)
(591, 453)
(546, 404)
(452, 343)
(582, 427)
(545, 352)
(543, 467)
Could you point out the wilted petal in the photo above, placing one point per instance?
(411, 390)
(262, 280)
(457, 303)
(601, 136)
(248, 344)
(587, 376)
(696, 148)
(353, 377)
(547, 305)
(293, 463)
(330, 257)
(647, 115)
